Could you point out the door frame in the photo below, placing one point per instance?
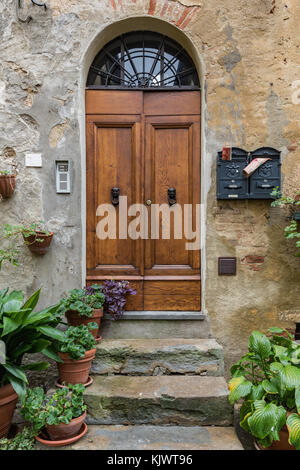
(101, 37)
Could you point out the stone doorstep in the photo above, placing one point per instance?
(158, 328)
(160, 315)
(155, 438)
(158, 357)
(163, 400)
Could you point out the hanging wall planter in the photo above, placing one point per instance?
(39, 242)
(7, 184)
(37, 238)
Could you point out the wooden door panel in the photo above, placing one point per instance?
(172, 157)
(171, 103)
(119, 102)
(171, 302)
(114, 162)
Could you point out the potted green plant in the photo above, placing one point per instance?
(267, 379)
(83, 306)
(76, 352)
(60, 415)
(37, 237)
(24, 440)
(22, 331)
(7, 183)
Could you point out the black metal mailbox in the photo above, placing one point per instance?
(267, 176)
(231, 183)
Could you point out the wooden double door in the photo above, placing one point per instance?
(145, 143)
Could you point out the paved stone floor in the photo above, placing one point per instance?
(156, 438)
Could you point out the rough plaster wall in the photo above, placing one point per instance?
(251, 54)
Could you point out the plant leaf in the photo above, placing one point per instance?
(239, 387)
(19, 386)
(263, 419)
(49, 352)
(293, 425)
(16, 371)
(53, 333)
(260, 344)
(33, 300)
(37, 366)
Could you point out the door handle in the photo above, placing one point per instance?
(115, 196)
(172, 196)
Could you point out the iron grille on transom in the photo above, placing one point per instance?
(143, 60)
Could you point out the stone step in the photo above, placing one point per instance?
(155, 438)
(157, 325)
(163, 400)
(159, 357)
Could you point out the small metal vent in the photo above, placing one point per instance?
(227, 266)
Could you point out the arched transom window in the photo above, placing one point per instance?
(143, 60)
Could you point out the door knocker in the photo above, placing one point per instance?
(172, 196)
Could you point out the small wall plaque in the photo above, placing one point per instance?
(227, 266)
(33, 160)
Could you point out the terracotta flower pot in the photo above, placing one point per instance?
(283, 444)
(75, 319)
(60, 432)
(7, 185)
(37, 247)
(8, 401)
(75, 372)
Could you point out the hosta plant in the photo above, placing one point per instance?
(61, 407)
(24, 331)
(267, 378)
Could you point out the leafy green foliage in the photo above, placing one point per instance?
(267, 378)
(9, 235)
(292, 230)
(83, 301)
(78, 340)
(22, 441)
(64, 405)
(23, 330)
(293, 425)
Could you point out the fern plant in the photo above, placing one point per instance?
(267, 378)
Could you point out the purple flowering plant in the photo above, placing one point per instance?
(115, 293)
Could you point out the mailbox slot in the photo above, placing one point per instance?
(267, 176)
(231, 183)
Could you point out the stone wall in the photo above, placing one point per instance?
(247, 53)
